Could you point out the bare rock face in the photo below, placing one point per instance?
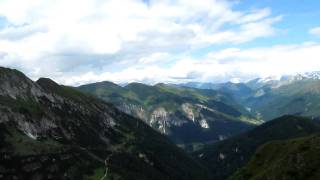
(135, 110)
(204, 124)
(159, 119)
(188, 110)
(194, 113)
(164, 120)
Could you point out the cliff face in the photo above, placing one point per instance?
(48, 131)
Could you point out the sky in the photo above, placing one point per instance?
(76, 42)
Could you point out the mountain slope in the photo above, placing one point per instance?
(186, 115)
(238, 91)
(272, 97)
(48, 131)
(225, 157)
(287, 159)
(300, 97)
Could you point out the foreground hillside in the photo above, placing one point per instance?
(287, 159)
(225, 157)
(186, 115)
(48, 131)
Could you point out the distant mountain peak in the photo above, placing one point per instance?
(312, 75)
(269, 79)
(278, 81)
(301, 76)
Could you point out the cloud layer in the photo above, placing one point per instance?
(226, 65)
(81, 41)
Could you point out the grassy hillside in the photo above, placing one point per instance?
(225, 157)
(288, 159)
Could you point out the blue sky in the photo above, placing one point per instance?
(81, 41)
(298, 17)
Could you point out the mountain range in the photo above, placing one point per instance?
(48, 131)
(106, 131)
(271, 97)
(189, 116)
(260, 100)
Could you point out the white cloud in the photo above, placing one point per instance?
(89, 40)
(315, 31)
(276, 60)
(230, 64)
(154, 58)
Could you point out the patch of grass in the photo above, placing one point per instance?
(251, 120)
(290, 159)
(97, 174)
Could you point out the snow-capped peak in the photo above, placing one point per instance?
(278, 81)
(302, 76)
(269, 79)
(312, 75)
